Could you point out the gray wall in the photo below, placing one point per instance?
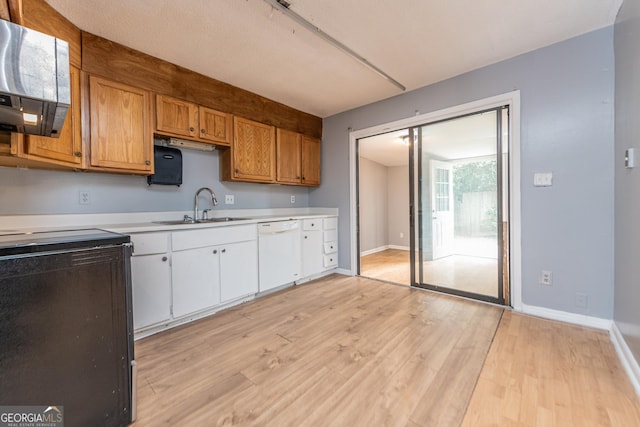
(567, 128)
(373, 205)
(47, 192)
(398, 206)
(627, 196)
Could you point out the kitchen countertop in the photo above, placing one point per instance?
(140, 222)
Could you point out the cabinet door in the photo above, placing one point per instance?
(67, 148)
(121, 137)
(238, 270)
(312, 253)
(195, 276)
(215, 126)
(176, 117)
(288, 154)
(310, 161)
(253, 151)
(151, 284)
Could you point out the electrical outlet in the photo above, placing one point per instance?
(581, 300)
(293, 199)
(545, 278)
(229, 199)
(84, 198)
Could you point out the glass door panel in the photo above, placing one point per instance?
(459, 199)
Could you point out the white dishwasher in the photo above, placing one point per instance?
(278, 253)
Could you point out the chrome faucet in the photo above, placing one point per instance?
(214, 201)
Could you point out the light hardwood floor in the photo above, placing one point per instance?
(546, 373)
(348, 351)
(466, 273)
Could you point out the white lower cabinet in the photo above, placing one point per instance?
(238, 270)
(184, 272)
(150, 279)
(319, 245)
(312, 259)
(212, 266)
(196, 280)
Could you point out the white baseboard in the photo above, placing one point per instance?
(400, 248)
(384, 248)
(626, 357)
(564, 316)
(343, 271)
(374, 250)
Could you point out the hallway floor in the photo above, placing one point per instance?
(463, 272)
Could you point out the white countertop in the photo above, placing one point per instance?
(139, 222)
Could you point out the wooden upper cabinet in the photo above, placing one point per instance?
(288, 157)
(175, 117)
(215, 126)
(66, 150)
(252, 154)
(310, 161)
(121, 136)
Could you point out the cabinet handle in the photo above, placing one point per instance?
(215, 251)
(77, 154)
(191, 129)
(224, 250)
(203, 131)
(313, 224)
(306, 237)
(164, 259)
(147, 162)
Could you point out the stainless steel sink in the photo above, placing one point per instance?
(200, 221)
(222, 219)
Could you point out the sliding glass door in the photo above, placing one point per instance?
(459, 202)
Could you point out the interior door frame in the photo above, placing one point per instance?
(512, 99)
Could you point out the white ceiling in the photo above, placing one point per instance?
(418, 42)
(463, 138)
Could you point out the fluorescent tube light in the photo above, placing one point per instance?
(175, 142)
(284, 6)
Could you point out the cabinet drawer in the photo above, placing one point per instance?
(191, 239)
(330, 223)
(311, 224)
(330, 260)
(150, 243)
(330, 236)
(331, 247)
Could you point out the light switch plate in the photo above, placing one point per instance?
(630, 158)
(543, 179)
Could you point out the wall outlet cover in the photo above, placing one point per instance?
(229, 199)
(84, 198)
(545, 278)
(293, 199)
(581, 300)
(543, 179)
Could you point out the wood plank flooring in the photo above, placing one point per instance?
(546, 373)
(466, 273)
(342, 351)
(348, 351)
